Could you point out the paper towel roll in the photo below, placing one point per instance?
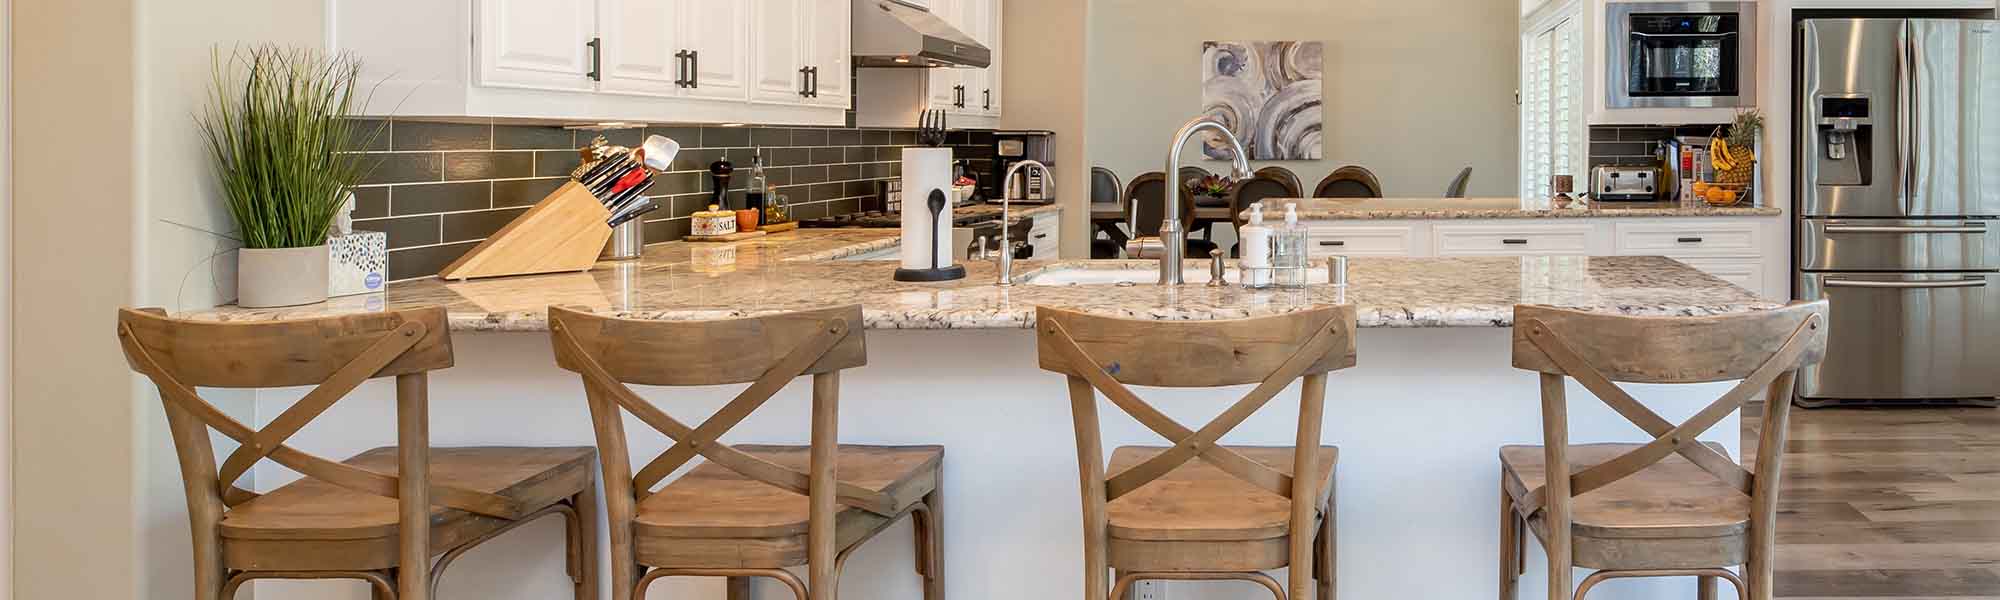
(926, 169)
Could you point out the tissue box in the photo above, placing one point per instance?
(357, 263)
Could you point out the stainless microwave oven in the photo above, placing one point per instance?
(1680, 54)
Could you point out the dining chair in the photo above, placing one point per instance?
(1457, 187)
(1266, 183)
(1200, 510)
(1147, 194)
(747, 511)
(1670, 506)
(380, 516)
(1349, 182)
(1107, 190)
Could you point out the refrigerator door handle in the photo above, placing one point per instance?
(1906, 118)
(1906, 285)
(1967, 229)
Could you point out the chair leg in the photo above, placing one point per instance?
(1561, 576)
(583, 543)
(929, 521)
(1326, 568)
(1705, 587)
(1510, 547)
(739, 588)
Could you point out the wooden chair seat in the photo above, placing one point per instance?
(1671, 503)
(360, 529)
(1243, 526)
(704, 518)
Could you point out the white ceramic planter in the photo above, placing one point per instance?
(268, 277)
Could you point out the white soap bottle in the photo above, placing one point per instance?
(1255, 248)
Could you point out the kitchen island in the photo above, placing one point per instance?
(1419, 421)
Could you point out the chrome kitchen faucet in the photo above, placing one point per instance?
(1172, 240)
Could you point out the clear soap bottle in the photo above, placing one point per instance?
(1288, 251)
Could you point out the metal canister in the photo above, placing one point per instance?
(628, 241)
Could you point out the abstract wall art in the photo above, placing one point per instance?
(1268, 94)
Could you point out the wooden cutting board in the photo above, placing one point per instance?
(734, 237)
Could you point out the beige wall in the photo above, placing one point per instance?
(75, 436)
(136, 228)
(1045, 90)
(1415, 89)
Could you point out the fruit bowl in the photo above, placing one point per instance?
(1723, 194)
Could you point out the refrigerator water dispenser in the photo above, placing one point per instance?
(1847, 134)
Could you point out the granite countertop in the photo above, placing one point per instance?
(790, 271)
(1329, 209)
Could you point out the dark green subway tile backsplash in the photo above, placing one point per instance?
(438, 188)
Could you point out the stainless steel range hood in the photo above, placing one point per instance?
(896, 34)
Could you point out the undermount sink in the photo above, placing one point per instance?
(1146, 276)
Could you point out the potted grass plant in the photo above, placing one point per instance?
(278, 127)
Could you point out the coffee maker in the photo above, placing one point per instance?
(1031, 185)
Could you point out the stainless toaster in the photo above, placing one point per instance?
(1625, 184)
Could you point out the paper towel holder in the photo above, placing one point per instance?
(938, 201)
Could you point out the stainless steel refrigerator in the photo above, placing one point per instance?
(1898, 191)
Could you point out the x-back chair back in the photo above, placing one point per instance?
(767, 352)
(1762, 350)
(1105, 355)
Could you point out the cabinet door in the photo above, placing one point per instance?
(995, 15)
(717, 32)
(541, 44)
(943, 83)
(780, 31)
(832, 52)
(640, 44)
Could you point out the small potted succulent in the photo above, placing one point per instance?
(1214, 188)
(278, 126)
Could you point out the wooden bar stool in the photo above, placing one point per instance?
(1671, 506)
(379, 516)
(1238, 511)
(748, 511)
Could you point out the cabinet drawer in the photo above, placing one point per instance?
(1512, 240)
(1045, 237)
(1687, 239)
(1746, 273)
(1360, 241)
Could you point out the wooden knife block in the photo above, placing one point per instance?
(564, 232)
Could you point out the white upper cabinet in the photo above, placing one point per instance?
(539, 44)
(601, 60)
(783, 32)
(969, 92)
(832, 54)
(640, 45)
(717, 34)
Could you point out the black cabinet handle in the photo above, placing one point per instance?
(989, 99)
(1689, 240)
(815, 82)
(694, 68)
(1333, 243)
(805, 82)
(596, 59)
(1514, 242)
(680, 69)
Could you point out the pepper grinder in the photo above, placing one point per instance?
(718, 179)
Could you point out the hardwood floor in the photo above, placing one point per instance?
(1888, 503)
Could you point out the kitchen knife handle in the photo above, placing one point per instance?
(1906, 285)
(596, 59)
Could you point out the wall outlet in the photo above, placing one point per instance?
(1149, 590)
